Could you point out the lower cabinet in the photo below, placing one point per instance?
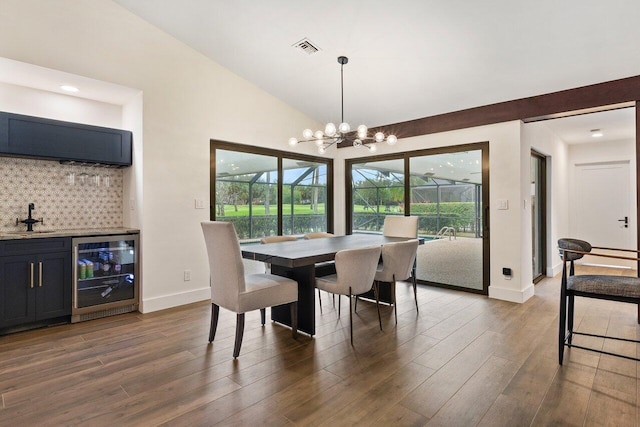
(35, 282)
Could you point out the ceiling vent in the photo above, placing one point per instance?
(306, 46)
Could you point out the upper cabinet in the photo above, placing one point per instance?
(26, 136)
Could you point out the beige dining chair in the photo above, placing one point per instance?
(355, 270)
(275, 239)
(318, 235)
(400, 226)
(237, 292)
(323, 268)
(397, 264)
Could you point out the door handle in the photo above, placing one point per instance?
(31, 275)
(40, 274)
(626, 221)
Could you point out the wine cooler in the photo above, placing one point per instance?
(106, 279)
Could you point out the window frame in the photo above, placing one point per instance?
(279, 155)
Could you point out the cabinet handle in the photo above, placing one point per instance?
(40, 274)
(31, 275)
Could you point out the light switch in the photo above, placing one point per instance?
(199, 204)
(503, 204)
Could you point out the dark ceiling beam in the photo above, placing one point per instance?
(582, 98)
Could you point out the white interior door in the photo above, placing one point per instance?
(603, 200)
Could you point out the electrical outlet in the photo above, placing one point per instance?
(187, 275)
(132, 204)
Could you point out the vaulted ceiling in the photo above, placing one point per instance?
(407, 58)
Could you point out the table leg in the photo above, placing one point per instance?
(305, 276)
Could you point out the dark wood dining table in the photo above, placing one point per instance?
(297, 260)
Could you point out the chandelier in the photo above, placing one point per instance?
(342, 133)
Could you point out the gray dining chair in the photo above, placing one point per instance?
(355, 270)
(237, 292)
(398, 259)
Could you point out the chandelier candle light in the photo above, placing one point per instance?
(334, 135)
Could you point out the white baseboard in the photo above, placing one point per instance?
(174, 300)
(554, 270)
(511, 295)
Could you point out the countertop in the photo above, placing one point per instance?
(40, 234)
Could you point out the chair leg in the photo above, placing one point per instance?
(263, 315)
(350, 317)
(294, 319)
(395, 303)
(376, 291)
(355, 306)
(320, 300)
(239, 334)
(562, 320)
(639, 314)
(338, 306)
(415, 291)
(215, 311)
(334, 301)
(570, 317)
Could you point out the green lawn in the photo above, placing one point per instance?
(243, 210)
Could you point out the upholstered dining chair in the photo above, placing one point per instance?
(400, 226)
(275, 239)
(613, 288)
(322, 268)
(355, 269)
(397, 264)
(237, 292)
(318, 235)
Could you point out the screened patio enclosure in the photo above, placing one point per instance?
(247, 194)
(445, 191)
(444, 205)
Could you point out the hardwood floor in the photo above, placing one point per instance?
(464, 360)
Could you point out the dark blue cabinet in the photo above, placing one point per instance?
(26, 136)
(35, 280)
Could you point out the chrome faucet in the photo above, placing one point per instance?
(29, 221)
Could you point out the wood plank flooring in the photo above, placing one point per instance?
(464, 360)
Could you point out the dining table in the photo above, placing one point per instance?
(297, 260)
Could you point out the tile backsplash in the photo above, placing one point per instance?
(65, 196)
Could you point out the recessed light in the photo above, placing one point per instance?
(69, 88)
(596, 133)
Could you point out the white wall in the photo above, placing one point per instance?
(505, 182)
(186, 100)
(50, 105)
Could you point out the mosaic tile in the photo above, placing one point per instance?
(62, 204)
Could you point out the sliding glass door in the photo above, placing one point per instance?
(446, 194)
(447, 189)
